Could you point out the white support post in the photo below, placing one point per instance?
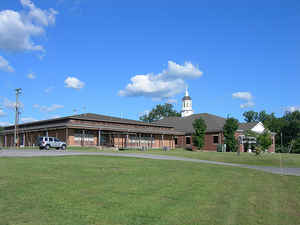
(99, 137)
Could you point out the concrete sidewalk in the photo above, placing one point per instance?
(36, 153)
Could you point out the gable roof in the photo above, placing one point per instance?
(247, 126)
(214, 123)
(92, 117)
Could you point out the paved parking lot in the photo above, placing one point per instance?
(37, 153)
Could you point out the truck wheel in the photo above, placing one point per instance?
(63, 147)
(47, 147)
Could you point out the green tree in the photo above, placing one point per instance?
(264, 140)
(159, 112)
(230, 127)
(250, 116)
(199, 132)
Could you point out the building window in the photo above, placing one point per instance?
(188, 140)
(176, 141)
(216, 139)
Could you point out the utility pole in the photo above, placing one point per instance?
(18, 92)
(281, 140)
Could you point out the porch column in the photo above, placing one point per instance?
(151, 140)
(99, 137)
(162, 140)
(5, 141)
(46, 133)
(24, 140)
(127, 139)
(140, 139)
(82, 138)
(67, 136)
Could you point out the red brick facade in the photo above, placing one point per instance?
(210, 143)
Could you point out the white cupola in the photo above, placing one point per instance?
(186, 109)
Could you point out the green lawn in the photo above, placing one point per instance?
(266, 159)
(109, 190)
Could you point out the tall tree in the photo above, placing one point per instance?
(264, 140)
(199, 132)
(230, 127)
(250, 116)
(159, 112)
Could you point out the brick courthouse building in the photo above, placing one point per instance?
(105, 131)
(93, 130)
(214, 128)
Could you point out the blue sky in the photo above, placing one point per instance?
(121, 58)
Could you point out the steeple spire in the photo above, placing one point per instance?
(187, 109)
(186, 91)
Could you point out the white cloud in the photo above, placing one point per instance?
(242, 95)
(146, 112)
(73, 82)
(166, 84)
(48, 108)
(11, 104)
(17, 29)
(172, 101)
(39, 16)
(293, 108)
(31, 76)
(247, 104)
(247, 96)
(4, 124)
(2, 113)
(4, 65)
(28, 119)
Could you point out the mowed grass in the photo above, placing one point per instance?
(265, 159)
(112, 190)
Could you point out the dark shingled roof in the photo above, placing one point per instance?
(247, 126)
(214, 123)
(93, 117)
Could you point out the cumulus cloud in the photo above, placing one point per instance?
(11, 104)
(242, 95)
(73, 82)
(172, 101)
(2, 113)
(166, 84)
(247, 104)
(17, 29)
(48, 108)
(247, 96)
(293, 108)
(28, 119)
(4, 65)
(4, 124)
(31, 76)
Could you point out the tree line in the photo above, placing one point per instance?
(287, 128)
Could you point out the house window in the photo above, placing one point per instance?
(188, 140)
(216, 139)
(176, 141)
